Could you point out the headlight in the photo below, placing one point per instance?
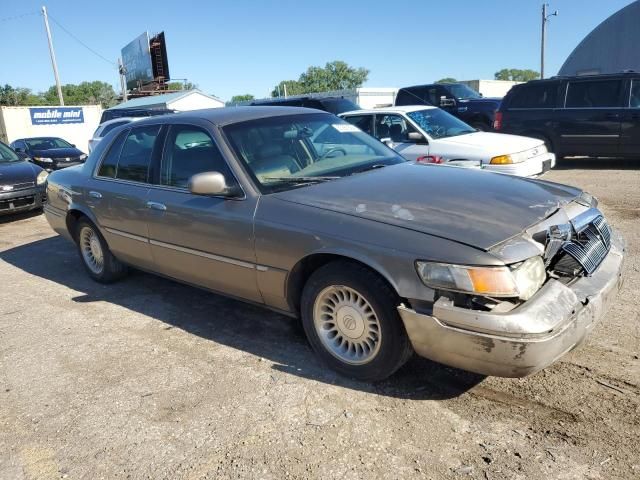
(43, 159)
(42, 177)
(521, 281)
(83, 156)
(501, 160)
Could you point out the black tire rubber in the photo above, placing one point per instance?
(395, 348)
(113, 269)
(482, 126)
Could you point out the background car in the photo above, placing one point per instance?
(587, 115)
(456, 98)
(50, 153)
(21, 183)
(333, 105)
(429, 134)
(112, 113)
(106, 127)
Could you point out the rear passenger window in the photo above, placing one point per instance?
(190, 150)
(594, 94)
(136, 153)
(542, 95)
(110, 160)
(363, 122)
(634, 99)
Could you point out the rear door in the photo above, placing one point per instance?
(630, 134)
(204, 240)
(590, 122)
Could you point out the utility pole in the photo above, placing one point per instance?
(285, 89)
(53, 55)
(123, 79)
(545, 19)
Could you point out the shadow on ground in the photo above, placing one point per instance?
(14, 217)
(245, 327)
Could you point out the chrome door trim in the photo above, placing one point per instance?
(199, 253)
(589, 136)
(127, 235)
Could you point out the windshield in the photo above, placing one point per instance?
(462, 92)
(439, 124)
(45, 143)
(7, 155)
(289, 151)
(338, 105)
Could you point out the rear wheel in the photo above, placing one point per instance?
(96, 257)
(350, 318)
(481, 125)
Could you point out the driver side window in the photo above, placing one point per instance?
(394, 127)
(190, 150)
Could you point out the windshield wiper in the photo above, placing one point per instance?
(371, 167)
(301, 179)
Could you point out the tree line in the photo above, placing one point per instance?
(513, 74)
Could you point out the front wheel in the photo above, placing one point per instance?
(96, 256)
(349, 315)
(481, 126)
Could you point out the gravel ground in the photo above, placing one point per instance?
(148, 378)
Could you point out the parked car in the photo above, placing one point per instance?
(106, 127)
(429, 134)
(21, 183)
(591, 115)
(50, 153)
(112, 113)
(378, 256)
(456, 98)
(333, 105)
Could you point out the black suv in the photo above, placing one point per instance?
(333, 105)
(591, 115)
(456, 98)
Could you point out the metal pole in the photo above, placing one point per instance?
(544, 31)
(285, 89)
(123, 80)
(53, 55)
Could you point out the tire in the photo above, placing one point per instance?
(95, 255)
(344, 303)
(481, 125)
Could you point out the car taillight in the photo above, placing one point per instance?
(497, 122)
(429, 159)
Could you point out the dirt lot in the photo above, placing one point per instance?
(152, 379)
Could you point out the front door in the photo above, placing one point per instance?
(393, 129)
(207, 241)
(589, 124)
(630, 134)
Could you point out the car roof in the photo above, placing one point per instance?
(228, 115)
(38, 138)
(403, 109)
(120, 119)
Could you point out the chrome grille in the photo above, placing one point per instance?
(16, 186)
(590, 245)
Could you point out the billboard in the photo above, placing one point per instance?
(136, 59)
(56, 116)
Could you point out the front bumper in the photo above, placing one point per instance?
(58, 164)
(526, 339)
(22, 200)
(529, 168)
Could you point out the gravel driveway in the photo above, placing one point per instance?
(148, 378)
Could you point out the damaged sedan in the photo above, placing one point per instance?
(303, 213)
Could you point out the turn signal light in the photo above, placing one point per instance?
(497, 121)
(429, 159)
(501, 160)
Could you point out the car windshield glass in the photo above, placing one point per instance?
(289, 151)
(45, 143)
(462, 92)
(439, 124)
(7, 155)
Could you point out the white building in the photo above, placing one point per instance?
(179, 101)
(490, 88)
(75, 124)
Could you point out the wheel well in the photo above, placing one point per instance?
(305, 268)
(73, 217)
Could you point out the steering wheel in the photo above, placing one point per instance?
(333, 150)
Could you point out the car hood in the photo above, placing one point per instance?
(497, 143)
(57, 152)
(468, 206)
(17, 172)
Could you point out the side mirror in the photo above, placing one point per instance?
(387, 141)
(447, 102)
(19, 150)
(416, 137)
(212, 184)
(73, 145)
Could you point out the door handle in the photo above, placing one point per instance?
(612, 115)
(95, 194)
(157, 206)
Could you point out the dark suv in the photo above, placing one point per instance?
(333, 105)
(591, 115)
(456, 98)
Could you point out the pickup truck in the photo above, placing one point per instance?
(457, 99)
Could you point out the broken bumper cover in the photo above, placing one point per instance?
(526, 339)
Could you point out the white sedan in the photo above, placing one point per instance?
(106, 127)
(431, 135)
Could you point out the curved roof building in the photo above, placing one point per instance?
(610, 48)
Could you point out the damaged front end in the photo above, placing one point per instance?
(512, 334)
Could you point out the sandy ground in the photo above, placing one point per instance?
(148, 378)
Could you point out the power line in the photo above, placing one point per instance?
(17, 17)
(113, 64)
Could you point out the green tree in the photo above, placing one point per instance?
(18, 96)
(240, 98)
(82, 94)
(516, 74)
(181, 86)
(446, 80)
(336, 75)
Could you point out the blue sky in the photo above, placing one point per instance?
(240, 46)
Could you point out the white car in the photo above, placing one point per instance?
(106, 127)
(429, 134)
